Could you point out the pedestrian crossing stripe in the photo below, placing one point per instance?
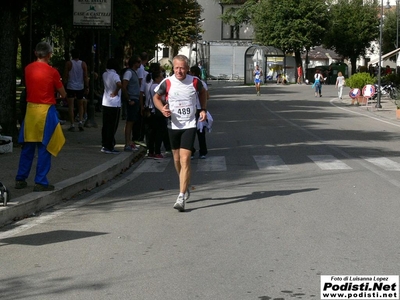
(152, 165)
(270, 162)
(384, 163)
(211, 164)
(265, 163)
(329, 162)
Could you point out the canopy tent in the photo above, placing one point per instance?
(385, 56)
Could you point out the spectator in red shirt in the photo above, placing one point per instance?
(41, 127)
(299, 74)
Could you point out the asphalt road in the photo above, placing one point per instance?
(294, 187)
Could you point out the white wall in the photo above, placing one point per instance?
(227, 58)
(212, 22)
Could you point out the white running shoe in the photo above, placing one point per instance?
(187, 194)
(180, 204)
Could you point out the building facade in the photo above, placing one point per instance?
(222, 47)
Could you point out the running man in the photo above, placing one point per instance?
(258, 73)
(180, 108)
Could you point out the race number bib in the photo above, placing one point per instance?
(183, 110)
(184, 113)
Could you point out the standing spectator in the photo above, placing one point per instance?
(131, 94)
(77, 83)
(40, 127)
(144, 58)
(299, 74)
(330, 73)
(376, 70)
(318, 78)
(388, 70)
(138, 132)
(97, 92)
(111, 106)
(339, 84)
(124, 103)
(371, 70)
(326, 76)
(181, 95)
(149, 113)
(155, 121)
(258, 74)
(201, 134)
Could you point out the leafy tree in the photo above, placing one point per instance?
(291, 25)
(138, 25)
(353, 25)
(184, 27)
(389, 37)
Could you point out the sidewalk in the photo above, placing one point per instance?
(81, 166)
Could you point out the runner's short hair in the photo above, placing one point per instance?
(43, 49)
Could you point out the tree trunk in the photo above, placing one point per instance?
(353, 61)
(9, 24)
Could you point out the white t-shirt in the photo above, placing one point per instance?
(144, 83)
(110, 79)
(181, 97)
(140, 71)
(340, 81)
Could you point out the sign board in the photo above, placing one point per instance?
(354, 93)
(368, 91)
(93, 13)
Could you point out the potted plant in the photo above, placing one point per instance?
(359, 80)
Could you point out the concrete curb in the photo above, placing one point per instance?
(26, 205)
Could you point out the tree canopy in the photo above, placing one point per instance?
(353, 26)
(138, 25)
(346, 26)
(390, 33)
(290, 25)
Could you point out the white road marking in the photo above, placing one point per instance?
(211, 164)
(384, 163)
(270, 162)
(152, 165)
(363, 163)
(329, 162)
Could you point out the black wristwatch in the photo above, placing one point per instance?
(203, 109)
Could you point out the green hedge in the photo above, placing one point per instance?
(359, 80)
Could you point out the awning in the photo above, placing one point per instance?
(385, 56)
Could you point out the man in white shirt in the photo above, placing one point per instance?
(181, 95)
(111, 106)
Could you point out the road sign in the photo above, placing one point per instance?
(354, 93)
(368, 91)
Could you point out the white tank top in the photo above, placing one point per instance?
(75, 77)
